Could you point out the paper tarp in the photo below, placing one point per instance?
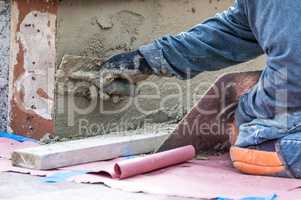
(206, 179)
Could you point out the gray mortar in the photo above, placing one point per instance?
(104, 28)
(4, 61)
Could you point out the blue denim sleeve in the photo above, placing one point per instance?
(221, 41)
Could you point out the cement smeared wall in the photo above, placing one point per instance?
(103, 28)
(4, 61)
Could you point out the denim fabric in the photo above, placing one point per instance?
(290, 151)
(221, 41)
(246, 30)
(261, 130)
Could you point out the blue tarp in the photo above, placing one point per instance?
(18, 138)
(272, 197)
(62, 176)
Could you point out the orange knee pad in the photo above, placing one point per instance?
(251, 161)
(256, 162)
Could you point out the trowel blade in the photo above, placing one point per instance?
(207, 125)
(72, 67)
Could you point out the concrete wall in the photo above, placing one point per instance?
(102, 28)
(32, 67)
(4, 61)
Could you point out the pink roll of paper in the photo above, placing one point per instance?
(136, 166)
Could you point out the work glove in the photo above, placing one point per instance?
(118, 75)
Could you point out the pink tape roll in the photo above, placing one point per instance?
(136, 166)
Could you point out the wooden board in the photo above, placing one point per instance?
(32, 67)
(85, 150)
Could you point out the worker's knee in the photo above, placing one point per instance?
(268, 146)
(256, 162)
(282, 160)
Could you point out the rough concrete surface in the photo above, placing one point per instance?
(104, 28)
(4, 61)
(24, 187)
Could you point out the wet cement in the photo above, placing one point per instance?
(104, 28)
(4, 62)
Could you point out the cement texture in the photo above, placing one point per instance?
(4, 61)
(103, 28)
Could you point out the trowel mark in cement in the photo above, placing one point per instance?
(129, 21)
(126, 23)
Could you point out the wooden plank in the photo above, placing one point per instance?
(85, 150)
(32, 66)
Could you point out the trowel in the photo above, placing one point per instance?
(209, 124)
(87, 68)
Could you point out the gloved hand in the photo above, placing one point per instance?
(118, 75)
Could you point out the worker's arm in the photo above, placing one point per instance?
(221, 41)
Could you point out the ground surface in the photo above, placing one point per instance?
(24, 187)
